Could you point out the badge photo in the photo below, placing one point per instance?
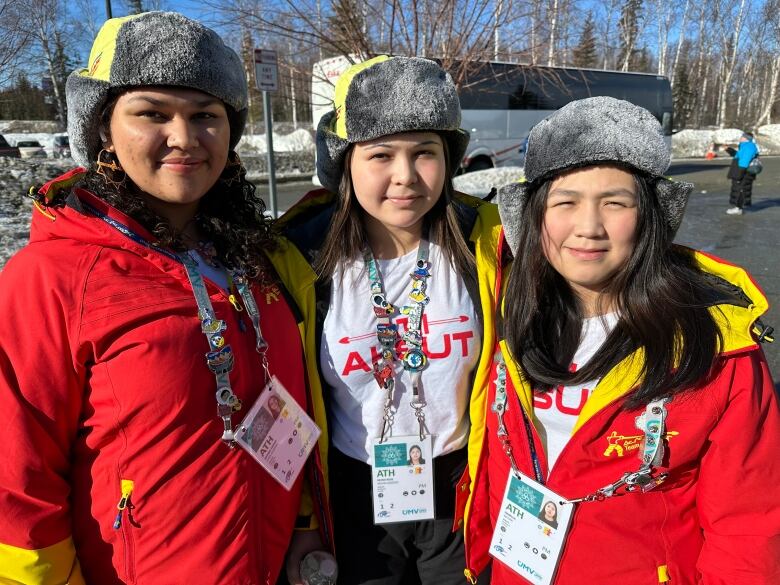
(402, 479)
(531, 529)
(278, 433)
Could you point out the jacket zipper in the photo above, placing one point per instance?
(126, 486)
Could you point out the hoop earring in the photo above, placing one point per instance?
(234, 171)
(108, 169)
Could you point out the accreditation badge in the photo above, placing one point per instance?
(531, 529)
(278, 433)
(402, 479)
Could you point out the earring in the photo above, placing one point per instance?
(107, 167)
(234, 171)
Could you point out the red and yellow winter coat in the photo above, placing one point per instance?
(716, 519)
(105, 393)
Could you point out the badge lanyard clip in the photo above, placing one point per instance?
(414, 359)
(651, 422)
(219, 358)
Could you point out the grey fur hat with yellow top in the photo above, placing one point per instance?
(384, 96)
(597, 130)
(151, 49)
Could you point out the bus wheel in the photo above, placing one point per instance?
(481, 163)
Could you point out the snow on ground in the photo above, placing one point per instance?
(770, 132)
(16, 177)
(480, 183)
(695, 143)
(297, 140)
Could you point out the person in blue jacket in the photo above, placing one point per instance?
(741, 178)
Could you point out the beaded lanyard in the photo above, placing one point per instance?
(651, 422)
(414, 359)
(219, 358)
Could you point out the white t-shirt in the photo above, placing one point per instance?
(558, 409)
(349, 348)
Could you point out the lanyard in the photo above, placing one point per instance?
(414, 359)
(500, 407)
(219, 358)
(652, 423)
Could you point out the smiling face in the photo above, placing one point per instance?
(397, 179)
(589, 227)
(172, 143)
(414, 454)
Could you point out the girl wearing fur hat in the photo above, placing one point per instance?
(399, 283)
(139, 326)
(628, 386)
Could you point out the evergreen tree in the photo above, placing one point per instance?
(684, 96)
(584, 54)
(24, 101)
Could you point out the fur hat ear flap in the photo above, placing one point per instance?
(330, 153)
(673, 197)
(511, 204)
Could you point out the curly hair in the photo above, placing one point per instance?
(230, 215)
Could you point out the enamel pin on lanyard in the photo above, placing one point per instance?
(276, 431)
(533, 520)
(401, 467)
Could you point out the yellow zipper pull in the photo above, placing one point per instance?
(234, 301)
(663, 574)
(471, 577)
(127, 489)
(231, 294)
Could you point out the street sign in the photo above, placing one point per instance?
(266, 70)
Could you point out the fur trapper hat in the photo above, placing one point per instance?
(154, 48)
(384, 96)
(597, 130)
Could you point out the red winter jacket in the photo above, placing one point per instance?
(105, 391)
(716, 519)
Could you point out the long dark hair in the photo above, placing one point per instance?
(230, 215)
(660, 294)
(347, 236)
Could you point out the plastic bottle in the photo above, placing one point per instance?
(319, 568)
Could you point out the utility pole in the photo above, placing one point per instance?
(108, 9)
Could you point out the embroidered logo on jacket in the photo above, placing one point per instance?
(271, 292)
(619, 444)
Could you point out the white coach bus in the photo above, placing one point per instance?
(501, 102)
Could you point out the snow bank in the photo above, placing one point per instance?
(695, 143)
(298, 140)
(44, 138)
(480, 183)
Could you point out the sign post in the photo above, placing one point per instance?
(267, 79)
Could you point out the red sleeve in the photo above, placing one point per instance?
(738, 496)
(41, 388)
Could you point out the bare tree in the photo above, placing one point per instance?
(45, 22)
(730, 19)
(14, 38)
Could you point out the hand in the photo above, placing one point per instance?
(302, 543)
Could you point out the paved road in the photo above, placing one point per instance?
(751, 240)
